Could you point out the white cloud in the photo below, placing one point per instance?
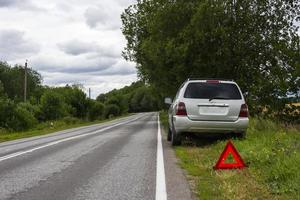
(14, 44)
(76, 47)
(105, 16)
(67, 42)
(20, 4)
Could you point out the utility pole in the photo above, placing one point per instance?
(25, 81)
(90, 93)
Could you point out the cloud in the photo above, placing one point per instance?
(80, 66)
(7, 3)
(69, 64)
(67, 42)
(19, 4)
(120, 68)
(14, 45)
(104, 16)
(76, 47)
(98, 84)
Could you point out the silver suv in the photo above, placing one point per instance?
(207, 106)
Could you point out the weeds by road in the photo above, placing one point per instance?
(51, 127)
(271, 152)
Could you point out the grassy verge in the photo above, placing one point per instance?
(273, 156)
(51, 127)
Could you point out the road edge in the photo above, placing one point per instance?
(177, 183)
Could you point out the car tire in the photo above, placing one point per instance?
(169, 138)
(176, 138)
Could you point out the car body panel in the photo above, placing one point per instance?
(184, 124)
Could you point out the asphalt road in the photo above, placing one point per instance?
(115, 160)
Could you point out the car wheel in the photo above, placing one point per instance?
(176, 138)
(169, 138)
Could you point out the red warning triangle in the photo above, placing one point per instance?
(230, 149)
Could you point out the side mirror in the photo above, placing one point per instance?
(168, 100)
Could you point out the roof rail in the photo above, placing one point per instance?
(220, 79)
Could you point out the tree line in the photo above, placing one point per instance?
(68, 103)
(254, 42)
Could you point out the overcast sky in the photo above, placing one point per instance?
(74, 41)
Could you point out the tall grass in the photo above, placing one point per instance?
(271, 151)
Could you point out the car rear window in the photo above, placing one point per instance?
(212, 90)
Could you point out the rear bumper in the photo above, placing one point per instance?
(184, 124)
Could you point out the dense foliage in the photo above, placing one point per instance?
(68, 104)
(253, 42)
(137, 97)
(12, 82)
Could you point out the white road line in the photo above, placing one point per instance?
(60, 141)
(161, 192)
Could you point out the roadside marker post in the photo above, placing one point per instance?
(230, 149)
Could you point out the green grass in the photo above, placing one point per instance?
(271, 152)
(46, 128)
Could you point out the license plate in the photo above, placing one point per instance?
(213, 110)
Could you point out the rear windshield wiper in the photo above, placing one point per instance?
(217, 98)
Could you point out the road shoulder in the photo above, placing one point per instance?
(176, 181)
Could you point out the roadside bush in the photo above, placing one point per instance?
(23, 119)
(120, 100)
(3, 131)
(6, 113)
(96, 111)
(52, 106)
(33, 109)
(260, 124)
(70, 120)
(111, 110)
(290, 114)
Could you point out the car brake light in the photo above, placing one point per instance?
(212, 81)
(244, 111)
(181, 110)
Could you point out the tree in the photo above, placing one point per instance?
(101, 98)
(143, 100)
(111, 110)
(76, 100)
(12, 79)
(6, 113)
(253, 42)
(2, 93)
(137, 97)
(23, 119)
(52, 106)
(96, 110)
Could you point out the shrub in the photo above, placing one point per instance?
(3, 131)
(70, 120)
(96, 111)
(33, 109)
(52, 106)
(23, 119)
(6, 112)
(260, 124)
(111, 110)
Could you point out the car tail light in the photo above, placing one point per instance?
(212, 81)
(244, 111)
(180, 109)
